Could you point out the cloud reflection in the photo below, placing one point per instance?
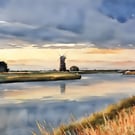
(89, 85)
(20, 119)
(55, 102)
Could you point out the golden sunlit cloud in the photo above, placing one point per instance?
(47, 58)
(104, 51)
(124, 63)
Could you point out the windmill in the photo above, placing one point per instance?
(62, 63)
(62, 66)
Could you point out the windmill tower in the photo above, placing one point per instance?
(62, 63)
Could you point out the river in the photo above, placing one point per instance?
(22, 104)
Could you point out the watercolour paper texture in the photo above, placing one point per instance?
(63, 60)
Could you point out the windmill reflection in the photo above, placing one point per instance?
(62, 88)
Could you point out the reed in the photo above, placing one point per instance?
(117, 119)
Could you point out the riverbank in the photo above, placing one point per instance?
(116, 119)
(11, 77)
(99, 71)
(125, 72)
(129, 73)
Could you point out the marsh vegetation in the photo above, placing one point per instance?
(36, 76)
(117, 119)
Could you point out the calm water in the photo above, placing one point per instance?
(21, 104)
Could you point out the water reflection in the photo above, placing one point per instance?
(20, 119)
(21, 104)
(62, 88)
(40, 92)
(88, 86)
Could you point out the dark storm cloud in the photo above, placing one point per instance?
(3, 3)
(105, 23)
(122, 10)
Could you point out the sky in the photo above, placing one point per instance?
(94, 34)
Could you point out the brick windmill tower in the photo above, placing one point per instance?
(62, 63)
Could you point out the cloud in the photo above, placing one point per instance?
(124, 63)
(104, 51)
(67, 46)
(105, 23)
(120, 10)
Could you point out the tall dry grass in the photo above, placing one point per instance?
(118, 119)
(124, 124)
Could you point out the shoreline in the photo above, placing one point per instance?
(13, 77)
(32, 76)
(114, 114)
(129, 73)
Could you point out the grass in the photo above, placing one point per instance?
(129, 73)
(36, 76)
(117, 119)
(98, 71)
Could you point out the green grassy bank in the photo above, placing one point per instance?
(36, 76)
(116, 119)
